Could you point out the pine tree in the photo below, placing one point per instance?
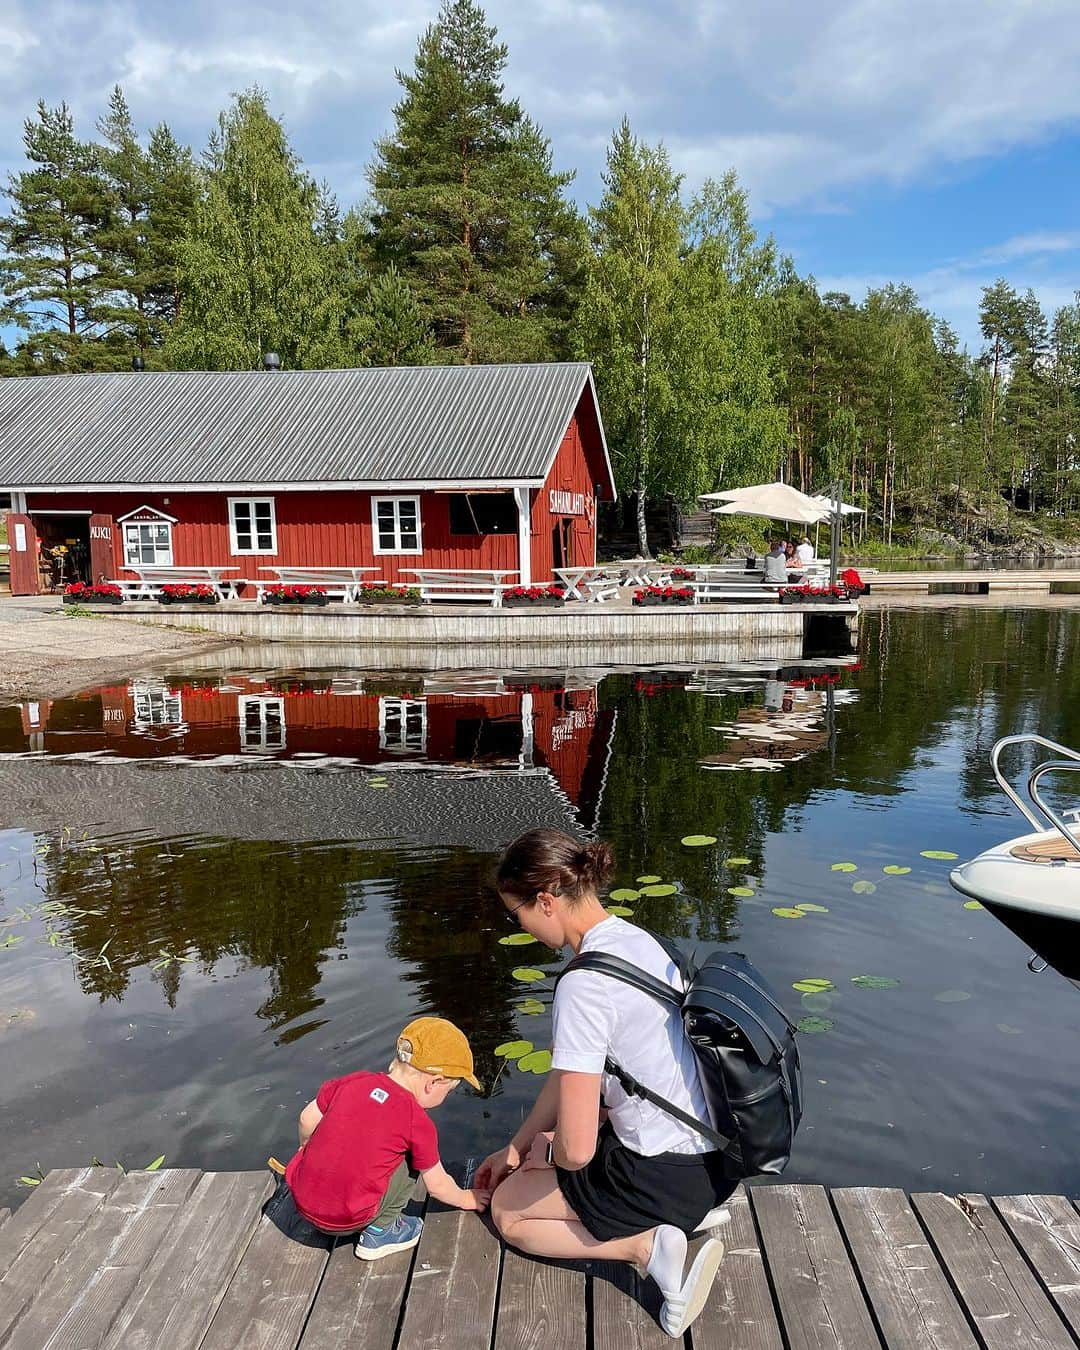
(122, 236)
(173, 193)
(254, 272)
(467, 204)
(53, 280)
(396, 331)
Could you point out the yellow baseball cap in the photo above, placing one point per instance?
(437, 1046)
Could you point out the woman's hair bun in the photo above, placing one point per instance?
(552, 860)
(600, 863)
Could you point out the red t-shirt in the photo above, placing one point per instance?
(369, 1124)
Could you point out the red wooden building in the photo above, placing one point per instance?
(437, 466)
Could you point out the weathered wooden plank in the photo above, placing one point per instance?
(42, 1230)
(541, 1305)
(177, 1294)
(5, 1214)
(360, 1302)
(821, 1305)
(915, 1307)
(95, 1275)
(739, 1314)
(270, 1294)
(1002, 1297)
(455, 1276)
(624, 1309)
(1047, 1230)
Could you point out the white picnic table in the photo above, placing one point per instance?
(152, 578)
(348, 579)
(463, 583)
(590, 584)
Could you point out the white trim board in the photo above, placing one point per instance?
(382, 485)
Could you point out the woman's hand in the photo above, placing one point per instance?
(496, 1167)
(537, 1155)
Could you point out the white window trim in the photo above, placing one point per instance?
(397, 497)
(395, 738)
(263, 740)
(138, 562)
(234, 547)
(150, 510)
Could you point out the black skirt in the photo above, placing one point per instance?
(619, 1193)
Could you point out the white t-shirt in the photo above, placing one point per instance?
(596, 1016)
(805, 553)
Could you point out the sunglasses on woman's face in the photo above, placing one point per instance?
(511, 914)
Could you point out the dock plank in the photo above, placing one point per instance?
(739, 1314)
(820, 1301)
(1002, 1296)
(454, 1282)
(5, 1214)
(624, 1309)
(42, 1230)
(1047, 1230)
(178, 1292)
(910, 1294)
(95, 1275)
(271, 1292)
(541, 1305)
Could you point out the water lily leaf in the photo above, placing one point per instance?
(537, 1062)
(874, 981)
(740, 890)
(813, 909)
(513, 1049)
(942, 854)
(697, 840)
(972, 904)
(736, 862)
(813, 986)
(153, 1166)
(787, 913)
(378, 785)
(844, 867)
(648, 880)
(665, 889)
(951, 996)
(624, 893)
(532, 1006)
(1007, 1030)
(620, 911)
(863, 887)
(516, 940)
(818, 1003)
(527, 974)
(893, 871)
(814, 1026)
(686, 909)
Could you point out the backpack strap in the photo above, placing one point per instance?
(626, 972)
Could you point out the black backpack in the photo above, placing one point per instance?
(744, 1043)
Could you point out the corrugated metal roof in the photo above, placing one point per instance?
(434, 423)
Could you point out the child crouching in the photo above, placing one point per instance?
(365, 1136)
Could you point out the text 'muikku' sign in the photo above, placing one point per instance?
(562, 503)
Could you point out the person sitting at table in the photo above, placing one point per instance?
(805, 551)
(775, 565)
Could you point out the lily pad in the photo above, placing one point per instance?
(863, 887)
(972, 904)
(516, 940)
(624, 893)
(892, 870)
(787, 913)
(814, 1026)
(844, 867)
(664, 889)
(740, 890)
(527, 974)
(736, 862)
(874, 981)
(952, 996)
(697, 840)
(513, 1049)
(813, 986)
(941, 854)
(813, 909)
(818, 1003)
(1007, 1030)
(648, 880)
(532, 1006)
(620, 911)
(539, 1061)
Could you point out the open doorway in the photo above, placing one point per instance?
(562, 543)
(65, 547)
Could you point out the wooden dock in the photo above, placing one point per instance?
(183, 1259)
(1038, 581)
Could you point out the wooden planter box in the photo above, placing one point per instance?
(658, 602)
(93, 599)
(369, 600)
(286, 601)
(548, 602)
(188, 599)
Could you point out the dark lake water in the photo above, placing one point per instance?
(219, 888)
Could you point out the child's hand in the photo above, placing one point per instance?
(480, 1198)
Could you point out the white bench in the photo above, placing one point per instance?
(466, 585)
(589, 584)
(343, 583)
(152, 579)
(718, 588)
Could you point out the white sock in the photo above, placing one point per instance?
(668, 1259)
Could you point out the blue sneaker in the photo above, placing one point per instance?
(398, 1236)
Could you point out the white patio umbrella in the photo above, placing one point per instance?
(778, 501)
(846, 509)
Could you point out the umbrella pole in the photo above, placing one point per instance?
(834, 537)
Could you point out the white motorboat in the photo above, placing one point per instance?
(1032, 883)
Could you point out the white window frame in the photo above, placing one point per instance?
(234, 544)
(155, 705)
(396, 737)
(136, 548)
(396, 500)
(265, 736)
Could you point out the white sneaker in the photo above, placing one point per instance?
(679, 1310)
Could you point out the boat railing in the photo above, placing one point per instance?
(1070, 764)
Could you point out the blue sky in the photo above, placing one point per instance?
(906, 140)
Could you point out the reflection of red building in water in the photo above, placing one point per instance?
(524, 727)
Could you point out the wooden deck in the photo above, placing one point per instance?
(183, 1259)
(1037, 581)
